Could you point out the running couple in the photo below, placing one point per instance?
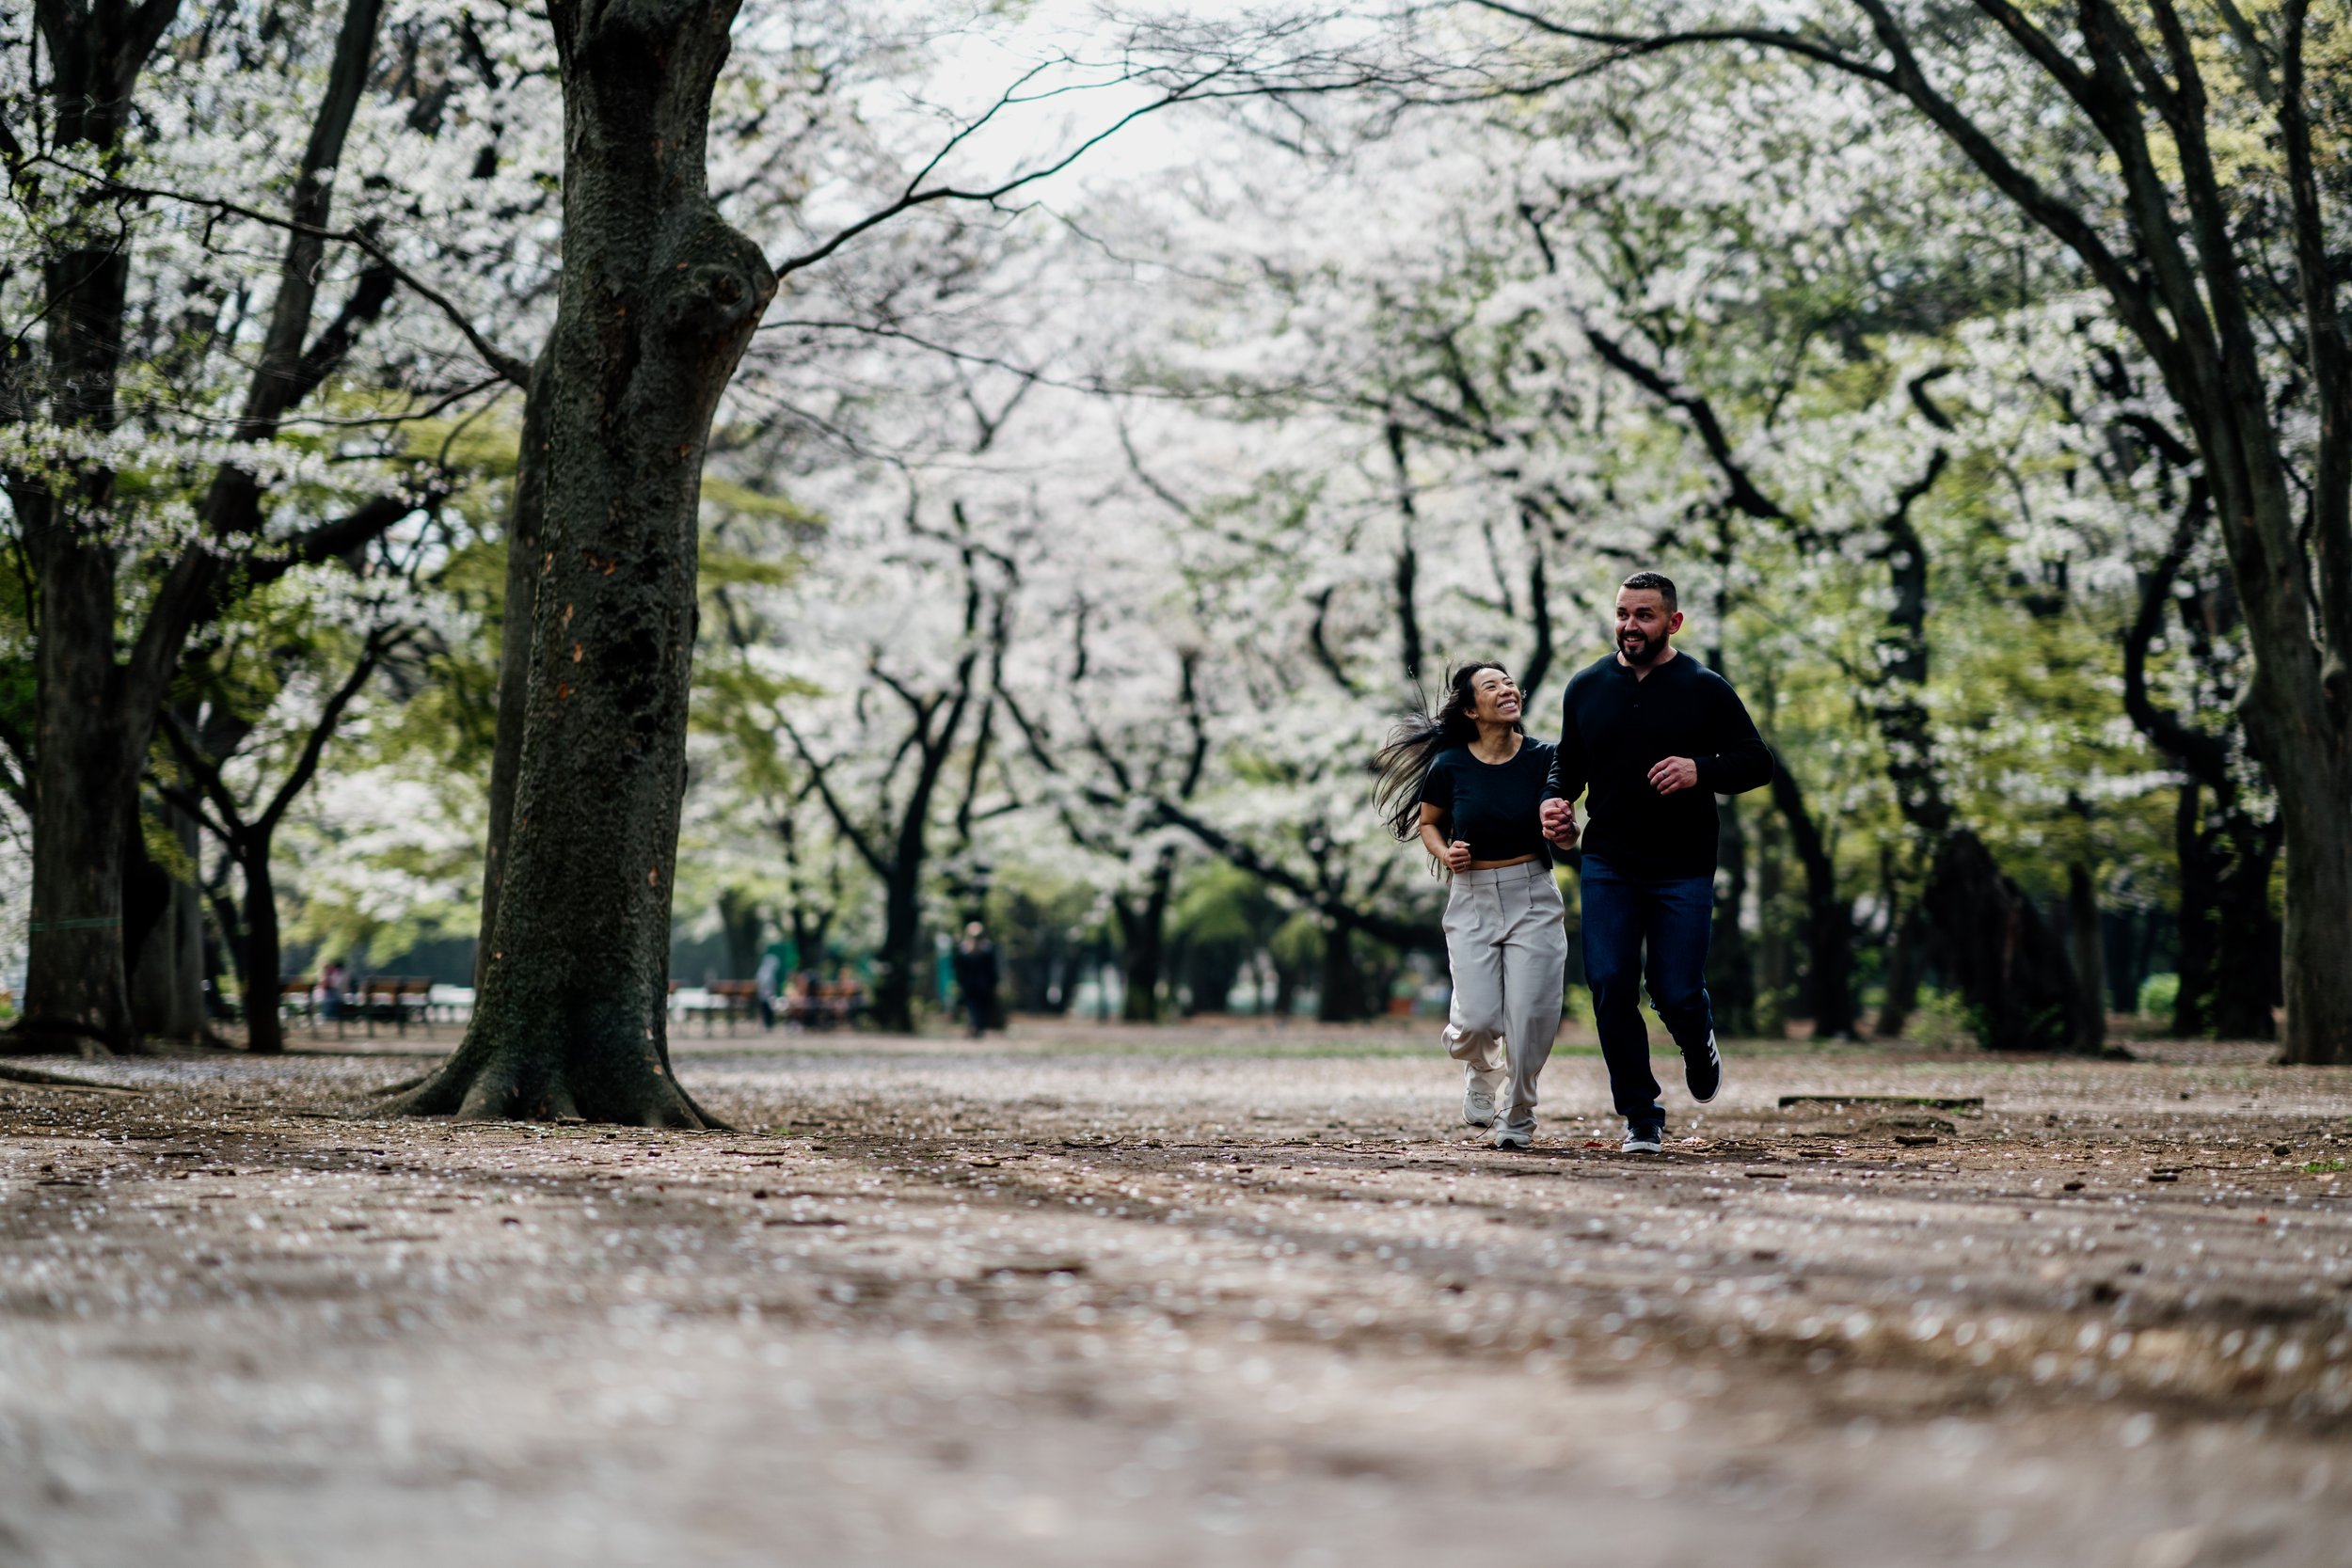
(1650, 738)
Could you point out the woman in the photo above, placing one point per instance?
(1469, 783)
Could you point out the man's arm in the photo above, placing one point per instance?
(1567, 779)
(1741, 761)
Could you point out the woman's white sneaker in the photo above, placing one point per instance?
(1516, 1138)
(1478, 1105)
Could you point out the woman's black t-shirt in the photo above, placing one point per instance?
(1494, 807)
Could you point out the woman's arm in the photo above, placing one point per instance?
(1453, 857)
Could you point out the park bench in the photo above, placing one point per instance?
(824, 1006)
(727, 999)
(449, 1005)
(296, 998)
(394, 996)
(735, 999)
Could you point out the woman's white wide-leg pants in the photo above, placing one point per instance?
(1509, 954)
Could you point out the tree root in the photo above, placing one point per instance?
(14, 1074)
(59, 1037)
(467, 1088)
(401, 1087)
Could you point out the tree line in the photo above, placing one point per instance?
(2007, 466)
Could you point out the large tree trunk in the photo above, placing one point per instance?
(899, 962)
(1906, 938)
(1343, 997)
(2192, 965)
(526, 519)
(659, 298)
(2247, 967)
(103, 712)
(1995, 946)
(2009, 966)
(265, 962)
(84, 780)
(167, 976)
(1142, 934)
(77, 995)
(741, 923)
(2313, 789)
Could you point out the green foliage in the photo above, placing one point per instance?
(2159, 993)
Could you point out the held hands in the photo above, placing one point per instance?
(1457, 855)
(1673, 773)
(1558, 818)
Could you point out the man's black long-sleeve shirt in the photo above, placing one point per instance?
(1615, 726)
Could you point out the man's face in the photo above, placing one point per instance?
(1644, 623)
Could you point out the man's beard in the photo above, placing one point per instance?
(1648, 649)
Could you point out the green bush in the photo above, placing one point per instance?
(1942, 1021)
(2157, 993)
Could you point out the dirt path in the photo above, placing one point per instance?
(1199, 1297)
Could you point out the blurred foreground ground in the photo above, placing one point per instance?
(1181, 1296)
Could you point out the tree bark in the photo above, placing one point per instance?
(167, 976)
(2247, 971)
(1905, 939)
(84, 789)
(1996, 947)
(658, 300)
(265, 960)
(525, 522)
(899, 962)
(77, 994)
(741, 922)
(2010, 967)
(1341, 1000)
(98, 710)
(1143, 941)
(2318, 850)
(2192, 966)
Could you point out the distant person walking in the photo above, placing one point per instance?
(1469, 783)
(764, 983)
(1650, 737)
(976, 977)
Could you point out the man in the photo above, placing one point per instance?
(1650, 737)
(976, 976)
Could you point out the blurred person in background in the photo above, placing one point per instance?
(975, 966)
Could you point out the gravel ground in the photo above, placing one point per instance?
(1181, 1296)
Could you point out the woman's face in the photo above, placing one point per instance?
(1495, 697)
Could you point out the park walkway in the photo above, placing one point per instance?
(1184, 1297)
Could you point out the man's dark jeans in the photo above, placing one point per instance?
(1672, 918)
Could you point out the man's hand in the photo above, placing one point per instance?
(1457, 855)
(1559, 822)
(1673, 773)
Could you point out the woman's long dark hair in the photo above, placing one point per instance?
(1414, 744)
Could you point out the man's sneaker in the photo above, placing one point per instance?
(1643, 1140)
(1703, 1070)
(1516, 1138)
(1478, 1105)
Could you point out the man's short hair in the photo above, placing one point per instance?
(1655, 582)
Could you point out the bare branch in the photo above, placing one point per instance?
(916, 195)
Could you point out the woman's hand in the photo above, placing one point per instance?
(1457, 856)
(1559, 823)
